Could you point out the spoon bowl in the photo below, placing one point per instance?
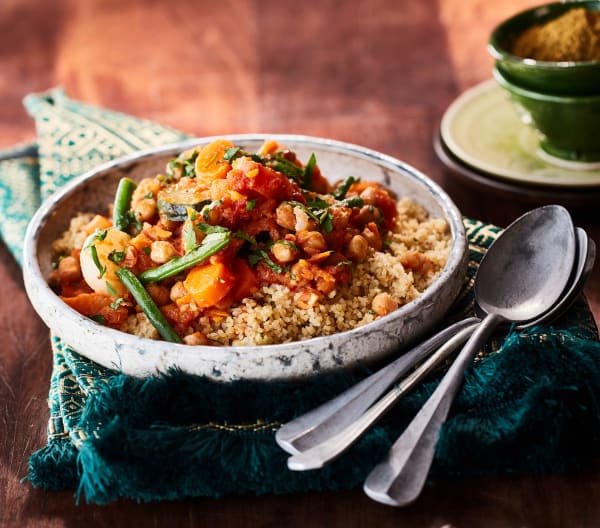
(525, 271)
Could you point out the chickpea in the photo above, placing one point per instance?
(143, 201)
(312, 242)
(383, 304)
(367, 214)
(285, 216)
(69, 269)
(369, 195)
(177, 291)
(131, 257)
(145, 209)
(302, 271)
(307, 299)
(371, 233)
(303, 221)
(197, 338)
(162, 251)
(358, 248)
(159, 293)
(284, 251)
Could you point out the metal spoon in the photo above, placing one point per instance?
(521, 277)
(334, 416)
(339, 431)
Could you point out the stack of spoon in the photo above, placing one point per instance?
(530, 275)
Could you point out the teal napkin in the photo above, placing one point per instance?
(528, 404)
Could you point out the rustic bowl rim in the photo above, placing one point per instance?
(456, 263)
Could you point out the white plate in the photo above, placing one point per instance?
(484, 130)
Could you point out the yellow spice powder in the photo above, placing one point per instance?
(574, 36)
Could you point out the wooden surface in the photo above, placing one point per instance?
(375, 72)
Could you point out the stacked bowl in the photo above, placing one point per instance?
(548, 60)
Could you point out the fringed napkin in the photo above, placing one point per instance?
(529, 405)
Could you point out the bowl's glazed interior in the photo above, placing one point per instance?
(137, 356)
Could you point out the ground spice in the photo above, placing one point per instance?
(574, 36)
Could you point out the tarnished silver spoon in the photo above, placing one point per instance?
(521, 277)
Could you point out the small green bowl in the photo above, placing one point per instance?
(569, 125)
(565, 78)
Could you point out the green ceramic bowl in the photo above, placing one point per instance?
(565, 78)
(569, 126)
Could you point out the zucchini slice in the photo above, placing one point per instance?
(174, 203)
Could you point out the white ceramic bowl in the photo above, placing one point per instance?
(141, 357)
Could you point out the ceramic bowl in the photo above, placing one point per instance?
(568, 125)
(141, 357)
(573, 78)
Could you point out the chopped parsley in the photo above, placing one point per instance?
(188, 233)
(183, 166)
(96, 260)
(308, 171)
(261, 254)
(250, 205)
(208, 229)
(246, 237)
(110, 289)
(117, 302)
(205, 211)
(116, 256)
(340, 192)
(318, 210)
(231, 153)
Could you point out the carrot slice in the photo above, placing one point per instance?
(209, 283)
(247, 280)
(210, 163)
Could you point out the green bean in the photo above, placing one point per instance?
(142, 297)
(122, 204)
(212, 243)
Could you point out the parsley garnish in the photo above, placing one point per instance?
(353, 201)
(116, 256)
(101, 268)
(117, 302)
(98, 318)
(188, 233)
(342, 189)
(231, 153)
(250, 205)
(205, 211)
(208, 229)
(308, 171)
(261, 254)
(245, 236)
(110, 289)
(318, 210)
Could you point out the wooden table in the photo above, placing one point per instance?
(378, 73)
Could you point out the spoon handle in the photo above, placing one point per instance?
(399, 479)
(323, 422)
(334, 446)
